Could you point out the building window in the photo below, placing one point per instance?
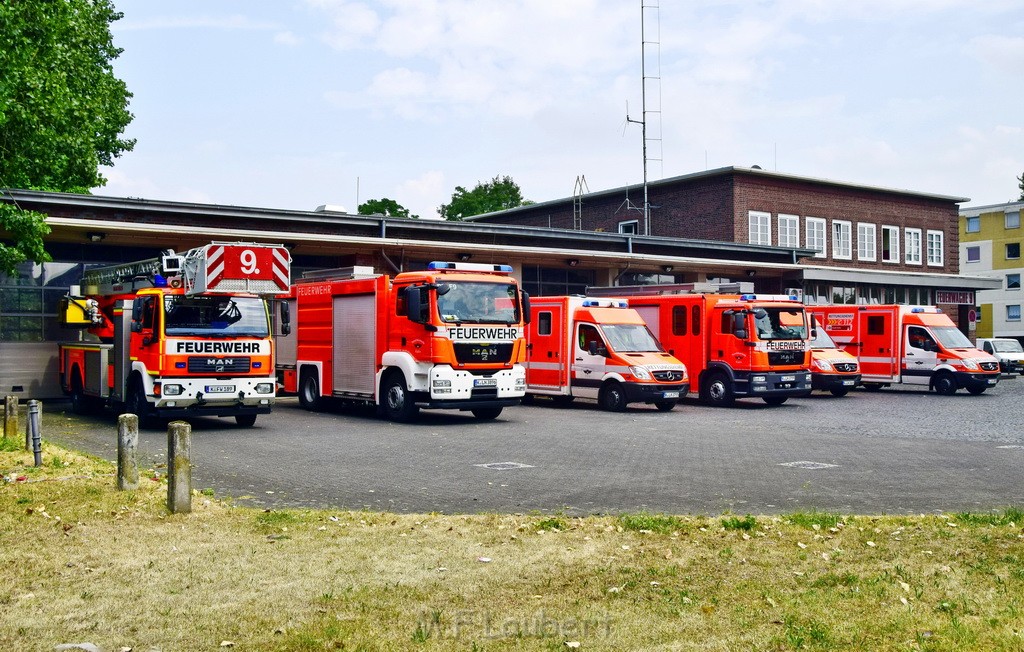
(30, 302)
(760, 228)
(632, 226)
(912, 252)
(866, 243)
(974, 254)
(974, 224)
(935, 248)
(1013, 312)
(814, 238)
(789, 231)
(1013, 281)
(1012, 220)
(556, 281)
(841, 244)
(1012, 250)
(890, 244)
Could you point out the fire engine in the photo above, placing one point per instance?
(832, 369)
(178, 335)
(599, 349)
(451, 336)
(917, 345)
(733, 345)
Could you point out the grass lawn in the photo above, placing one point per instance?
(83, 563)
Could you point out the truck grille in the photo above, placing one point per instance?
(990, 366)
(203, 364)
(785, 357)
(845, 367)
(478, 353)
(668, 376)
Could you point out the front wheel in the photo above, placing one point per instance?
(775, 400)
(716, 390)
(839, 391)
(397, 400)
(976, 391)
(664, 406)
(80, 403)
(612, 397)
(487, 414)
(944, 384)
(136, 404)
(245, 420)
(309, 391)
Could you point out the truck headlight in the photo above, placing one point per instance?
(759, 379)
(970, 364)
(824, 365)
(172, 390)
(640, 373)
(264, 388)
(442, 383)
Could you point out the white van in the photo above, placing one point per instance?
(1007, 349)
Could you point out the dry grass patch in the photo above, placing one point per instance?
(80, 562)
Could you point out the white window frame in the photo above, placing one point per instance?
(1006, 219)
(630, 227)
(1013, 289)
(789, 230)
(842, 240)
(813, 227)
(936, 254)
(759, 229)
(894, 244)
(976, 220)
(867, 241)
(967, 254)
(912, 246)
(1010, 306)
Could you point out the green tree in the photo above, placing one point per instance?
(1020, 184)
(384, 206)
(495, 195)
(62, 110)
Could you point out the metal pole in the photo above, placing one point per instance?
(179, 467)
(127, 445)
(34, 414)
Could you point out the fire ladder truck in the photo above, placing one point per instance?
(179, 335)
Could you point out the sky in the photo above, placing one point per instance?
(293, 104)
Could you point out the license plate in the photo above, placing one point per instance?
(992, 381)
(788, 379)
(670, 395)
(848, 383)
(485, 382)
(219, 389)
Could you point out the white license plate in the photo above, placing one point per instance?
(219, 389)
(485, 382)
(992, 381)
(848, 383)
(787, 379)
(670, 395)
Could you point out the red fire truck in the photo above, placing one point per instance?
(451, 336)
(733, 345)
(599, 349)
(177, 335)
(917, 345)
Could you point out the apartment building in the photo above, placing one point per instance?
(990, 246)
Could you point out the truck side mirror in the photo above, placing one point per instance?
(739, 325)
(414, 307)
(524, 303)
(286, 318)
(137, 316)
(592, 348)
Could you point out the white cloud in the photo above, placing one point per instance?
(1004, 53)
(423, 194)
(287, 38)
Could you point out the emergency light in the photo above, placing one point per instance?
(604, 303)
(769, 297)
(438, 265)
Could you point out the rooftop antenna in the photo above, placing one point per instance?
(650, 112)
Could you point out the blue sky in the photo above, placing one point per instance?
(297, 103)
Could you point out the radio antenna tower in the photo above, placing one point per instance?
(650, 112)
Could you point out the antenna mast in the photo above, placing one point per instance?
(650, 57)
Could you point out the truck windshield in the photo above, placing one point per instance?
(630, 338)
(478, 303)
(950, 337)
(1007, 346)
(821, 340)
(781, 324)
(215, 316)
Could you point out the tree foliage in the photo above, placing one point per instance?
(1020, 184)
(384, 206)
(62, 110)
(498, 194)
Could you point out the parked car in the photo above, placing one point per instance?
(1007, 349)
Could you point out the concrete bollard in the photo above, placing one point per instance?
(11, 418)
(179, 467)
(127, 447)
(33, 434)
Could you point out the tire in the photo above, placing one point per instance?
(487, 414)
(245, 420)
(612, 397)
(716, 390)
(775, 400)
(136, 403)
(563, 400)
(944, 384)
(873, 387)
(80, 403)
(665, 406)
(396, 401)
(309, 391)
(977, 391)
(839, 391)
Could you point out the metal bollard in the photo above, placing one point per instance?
(33, 436)
(11, 417)
(127, 445)
(179, 467)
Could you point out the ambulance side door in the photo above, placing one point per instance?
(547, 363)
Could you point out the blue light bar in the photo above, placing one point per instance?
(748, 297)
(159, 281)
(917, 310)
(468, 267)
